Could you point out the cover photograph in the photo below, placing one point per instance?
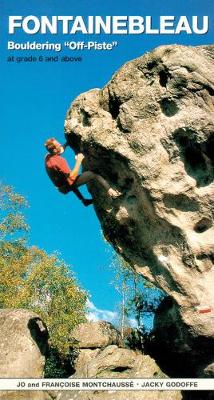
(106, 200)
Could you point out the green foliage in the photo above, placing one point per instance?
(11, 218)
(54, 367)
(58, 366)
(34, 280)
(140, 298)
(134, 340)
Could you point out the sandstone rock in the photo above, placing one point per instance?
(150, 133)
(120, 395)
(23, 346)
(175, 348)
(25, 395)
(95, 334)
(114, 362)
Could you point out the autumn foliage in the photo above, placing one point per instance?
(32, 279)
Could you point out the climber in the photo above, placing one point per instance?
(67, 180)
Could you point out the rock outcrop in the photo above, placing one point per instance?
(112, 361)
(149, 132)
(23, 347)
(94, 335)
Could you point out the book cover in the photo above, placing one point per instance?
(106, 185)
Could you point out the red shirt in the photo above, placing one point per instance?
(58, 170)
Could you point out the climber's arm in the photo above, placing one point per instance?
(74, 172)
(70, 174)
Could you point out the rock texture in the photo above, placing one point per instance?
(93, 335)
(23, 346)
(149, 132)
(25, 395)
(111, 361)
(120, 395)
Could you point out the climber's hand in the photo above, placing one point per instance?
(79, 157)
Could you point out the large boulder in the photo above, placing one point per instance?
(112, 361)
(150, 133)
(23, 346)
(115, 362)
(95, 334)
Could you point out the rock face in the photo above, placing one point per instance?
(111, 361)
(23, 346)
(94, 335)
(149, 132)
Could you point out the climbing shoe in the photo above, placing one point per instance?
(87, 202)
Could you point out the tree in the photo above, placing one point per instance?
(121, 282)
(140, 298)
(12, 219)
(32, 279)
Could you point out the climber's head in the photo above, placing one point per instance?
(53, 146)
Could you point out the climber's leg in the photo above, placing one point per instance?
(86, 202)
(88, 176)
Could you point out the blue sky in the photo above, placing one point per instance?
(34, 101)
